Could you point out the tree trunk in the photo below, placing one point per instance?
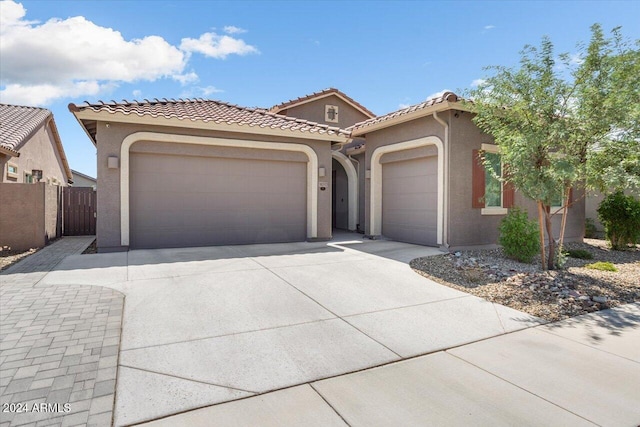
(540, 223)
(565, 211)
(552, 243)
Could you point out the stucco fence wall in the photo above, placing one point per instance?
(30, 215)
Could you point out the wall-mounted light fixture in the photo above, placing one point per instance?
(112, 162)
(367, 174)
(322, 172)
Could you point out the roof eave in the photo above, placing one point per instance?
(441, 106)
(105, 116)
(58, 141)
(84, 176)
(9, 152)
(74, 110)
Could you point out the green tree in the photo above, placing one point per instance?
(565, 121)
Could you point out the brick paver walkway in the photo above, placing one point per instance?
(58, 345)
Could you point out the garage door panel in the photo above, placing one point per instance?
(194, 201)
(409, 200)
(405, 201)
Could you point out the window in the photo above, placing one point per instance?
(489, 193)
(28, 178)
(331, 113)
(492, 185)
(12, 171)
(557, 201)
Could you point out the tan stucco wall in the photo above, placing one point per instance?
(109, 143)
(362, 181)
(314, 111)
(37, 152)
(467, 226)
(29, 215)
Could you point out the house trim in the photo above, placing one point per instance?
(312, 170)
(107, 117)
(401, 118)
(352, 180)
(375, 201)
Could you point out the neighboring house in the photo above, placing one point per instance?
(34, 168)
(30, 147)
(197, 172)
(82, 180)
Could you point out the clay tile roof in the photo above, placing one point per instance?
(445, 97)
(322, 93)
(209, 111)
(17, 123)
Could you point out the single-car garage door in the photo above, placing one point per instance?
(409, 200)
(182, 201)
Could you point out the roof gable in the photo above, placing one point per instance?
(447, 100)
(319, 95)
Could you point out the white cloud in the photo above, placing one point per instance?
(187, 78)
(402, 106)
(42, 94)
(62, 58)
(208, 90)
(231, 29)
(200, 92)
(478, 82)
(489, 27)
(216, 46)
(137, 93)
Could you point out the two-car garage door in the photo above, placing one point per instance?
(410, 200)
(193, 200)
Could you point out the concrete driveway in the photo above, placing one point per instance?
(208, 325)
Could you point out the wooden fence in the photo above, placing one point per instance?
(79, 204)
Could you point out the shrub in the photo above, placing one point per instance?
(602, 266)
(620, 216)
(590, 230)
(580, 254)
(519, 237)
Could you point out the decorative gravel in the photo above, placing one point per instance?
(91, 249)
(551, 295)
(9, 257)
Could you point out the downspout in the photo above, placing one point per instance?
(445, 219)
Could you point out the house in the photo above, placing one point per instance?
(34, 170)
(30, 147)
(200, 172)
(82, 180)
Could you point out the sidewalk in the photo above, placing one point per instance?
(581, 371)
(59, 344)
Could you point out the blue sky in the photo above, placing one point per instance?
(383, 54)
